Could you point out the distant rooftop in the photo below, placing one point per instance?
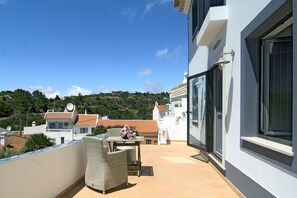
(58, 115)
(86, 120)
(142, 126)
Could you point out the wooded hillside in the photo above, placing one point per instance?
(20, 107)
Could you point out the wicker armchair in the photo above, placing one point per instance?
(131, 150)
(105, 170)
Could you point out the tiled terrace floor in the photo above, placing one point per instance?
(175, 174)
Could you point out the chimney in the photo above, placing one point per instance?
(33, 124)
(3, 139)
(185, 77)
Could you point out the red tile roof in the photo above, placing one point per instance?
(86, 120)
(58, 115)
(142, 126)
(161, 108)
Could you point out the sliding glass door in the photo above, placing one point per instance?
(196, 111)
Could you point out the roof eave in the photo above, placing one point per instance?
(183, 5)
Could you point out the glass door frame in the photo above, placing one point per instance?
(217, 103)
(208, 132)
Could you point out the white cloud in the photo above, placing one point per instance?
(129, 12)
(165, 1)
(153, 87)
(105, 89)
(2, 2)
(174, 54)
(154, 3)
(145, 72)
(49, 92)
(148, 8)
(161, 53)
(75, 90)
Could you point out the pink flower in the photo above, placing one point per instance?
(126, 132)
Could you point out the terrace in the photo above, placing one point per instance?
(168, 171)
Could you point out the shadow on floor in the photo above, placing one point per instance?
(145, 171)
(200, 157)
(71, 193)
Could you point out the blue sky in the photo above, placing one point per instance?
(66, 47)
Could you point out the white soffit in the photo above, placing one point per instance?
(215, 20)
(183, 5)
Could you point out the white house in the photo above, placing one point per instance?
(65, 126)
(85, 124)
(171, 118)
(59, 126)
(242, 91)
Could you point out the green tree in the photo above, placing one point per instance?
(40, 101)
(36, 142)
(22, 101)
(5, 108)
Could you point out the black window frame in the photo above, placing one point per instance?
(83, 130)
(264, 131)
(148, 141)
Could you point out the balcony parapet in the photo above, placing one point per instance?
(214, 21)
(59, 130)
(43, 173)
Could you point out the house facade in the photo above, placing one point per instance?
(65, 126)
(242, 91)
(59, 126)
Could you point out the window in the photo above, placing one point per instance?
(62, 140)
(199, 11)
(65, 125)
(178, 104)
(148, 141)
(194, 17)
(266, 79)
(277, 83)
(83, 130)
(93, 129)
(51, 125)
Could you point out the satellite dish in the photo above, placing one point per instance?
(70, 107)
(8, 128)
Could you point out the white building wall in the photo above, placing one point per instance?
(76, 132)
(176, 128)
(34, 129)
(156, 113)
(270, 176)
(176, 124)
(198, 63)
(68, 136)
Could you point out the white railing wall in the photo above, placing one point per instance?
(176, 128)
(43, 173)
